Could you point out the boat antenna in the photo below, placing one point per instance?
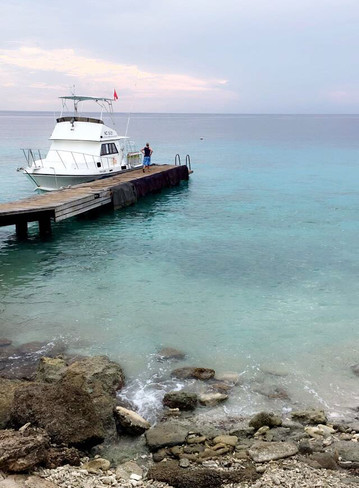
(131, 108)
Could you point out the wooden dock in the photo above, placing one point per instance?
(117, 191)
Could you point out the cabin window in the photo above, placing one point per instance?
(109, 148)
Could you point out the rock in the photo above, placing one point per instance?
(99, 370)
(264, 418)
(346, 451)
(304, 447)
(192, 372)
(100, 378)
(180, 399)
(355, 369)
(19, 369)
(273, 392)
(311, 416)
(130, 422)
(167, 353)
(159, 456)
(24, 481)
(262, 452)
(212, 399)
(323, 460)
(262, 431)
(97, 465)
(59, 456)
(165, 435)
(7, 351)
(7, 390)
(22, 451)
(5, 342)
(50, 370)
(128, 469)
(278, 434)
(319, 430)
(221, 387)
(195, 439)
(229, 440)
(229, 377)
(184, 463)
(171, 473)
(65, 412)
(38, 348)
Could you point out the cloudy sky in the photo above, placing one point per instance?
(212, 56)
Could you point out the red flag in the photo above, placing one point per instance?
(115, 97)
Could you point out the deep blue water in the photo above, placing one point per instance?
(251, 266)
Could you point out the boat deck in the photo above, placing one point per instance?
(119, 191)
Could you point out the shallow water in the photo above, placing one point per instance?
(250, 267)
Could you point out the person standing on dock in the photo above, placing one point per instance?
(147, 153)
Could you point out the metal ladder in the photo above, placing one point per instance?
(187, 163)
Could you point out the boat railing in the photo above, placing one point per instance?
(73, 159)
(30, 157)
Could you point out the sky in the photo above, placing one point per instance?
(186, 56)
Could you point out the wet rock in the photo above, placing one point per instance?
(22, 451)
(192, 372)
(130, 422)
(273, 392)
(168, 353)
(65, 412)
(7, 351)
(180, 399)
(38, 348)
(311, 416)
(50, 370)
(212, 399)
(228, 377)
(355, 369)
(5, 342)
(19, 369)
(221, 387)
(7, 390)
(264, 418)
(97, 465)
(262, 452)
(165, 435)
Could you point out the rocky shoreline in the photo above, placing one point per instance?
(63, 426)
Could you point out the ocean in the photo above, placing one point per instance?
(250, 267)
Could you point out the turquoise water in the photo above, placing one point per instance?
(250, 267)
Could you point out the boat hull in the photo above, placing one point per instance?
(48, 182)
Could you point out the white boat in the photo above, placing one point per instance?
(83, 149)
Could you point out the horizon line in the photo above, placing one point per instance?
(192, 113)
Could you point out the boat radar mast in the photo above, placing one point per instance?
(104, 103)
